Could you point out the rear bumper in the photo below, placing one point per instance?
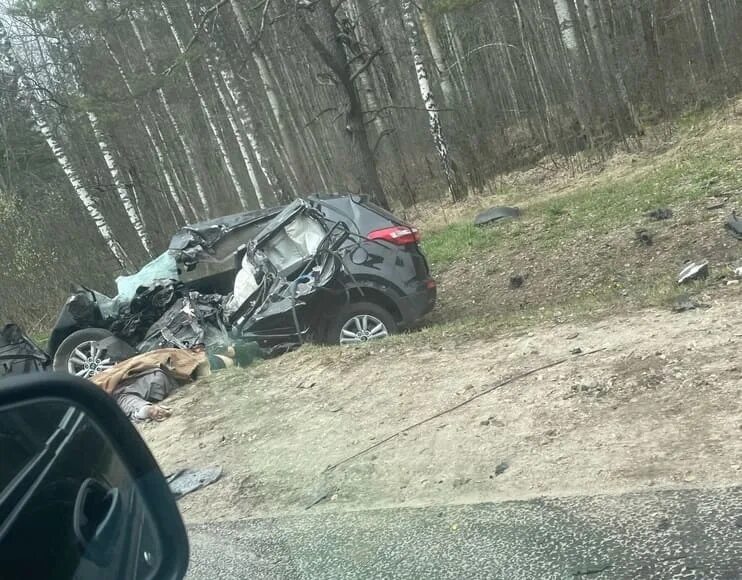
(417, 304)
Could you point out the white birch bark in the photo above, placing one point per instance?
(28, 95)
(237, 131)
(566, 26)
(436, 51)
(123, 193)
(176, 126)
(454, 186)
(251, 171)
(206, 111)
(155, 145)
(249, 127)
(266, 77)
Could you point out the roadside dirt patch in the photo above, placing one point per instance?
(660, 407)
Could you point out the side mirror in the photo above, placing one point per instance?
(80, 494)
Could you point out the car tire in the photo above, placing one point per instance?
(366, 320)
(74, 341)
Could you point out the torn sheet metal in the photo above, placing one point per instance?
(197, 242)
(193, 320)
(693, 271)
(287, 262)
(133, 319)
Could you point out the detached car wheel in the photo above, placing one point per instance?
(360, 322)
(80, 355)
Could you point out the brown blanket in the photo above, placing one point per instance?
(183, 365)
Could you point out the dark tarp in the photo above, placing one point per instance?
(19, 354)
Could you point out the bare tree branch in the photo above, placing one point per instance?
(199, 27)
(475, 50)
(366, 64)
(318, 115)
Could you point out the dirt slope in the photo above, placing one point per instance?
(660, 407)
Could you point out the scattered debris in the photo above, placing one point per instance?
(576, 350)
(684, 303)
(516, 281)
(693, 271)
(717, 205)
(644, 237)
(573, 336)
(501, 467)
(19, 354)
(496, 214)
(659, 214)
(734, 225)
(187, 480)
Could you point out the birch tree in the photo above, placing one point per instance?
(216, 134)
(267, 78)
(173, 121)
(161, 159)
(436, 51)
(455, 187)
(123, 193)
(27, 92)
(326, 41)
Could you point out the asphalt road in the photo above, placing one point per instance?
(665, 534)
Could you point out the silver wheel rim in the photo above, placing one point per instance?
(361, 329)
(85, 361)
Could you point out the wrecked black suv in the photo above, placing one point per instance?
(334, 269)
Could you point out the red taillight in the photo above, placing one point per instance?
(400, 235)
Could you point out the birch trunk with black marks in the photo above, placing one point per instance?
(28, 95)
(173, 121)
(123, 193)
(210, 121)
(571, 44)
(436, 51)
(455, 186)
(169, 179)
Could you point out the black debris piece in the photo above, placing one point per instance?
(576, 350)
(644, 237)
(496, 214)
(187, 480)
(150, 302)
(693, 271)
(501, 468)
(19, 354)
(684, 303)
(659, 214)
(734, 225)
(116, 349)
(516, 281)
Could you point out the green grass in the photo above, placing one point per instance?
(710, 168)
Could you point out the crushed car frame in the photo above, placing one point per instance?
(335, 269)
